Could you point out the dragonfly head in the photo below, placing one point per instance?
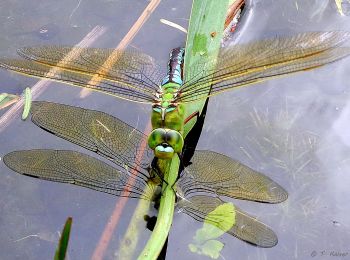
(165, 142)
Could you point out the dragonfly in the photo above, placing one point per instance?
(204, 181)
(136, 77)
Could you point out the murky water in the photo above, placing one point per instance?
(292, 129)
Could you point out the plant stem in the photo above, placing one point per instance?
(203, 44)
(165, 215)
(131, 238)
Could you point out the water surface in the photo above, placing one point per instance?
(293, 130)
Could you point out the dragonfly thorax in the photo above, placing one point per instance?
(165, 99)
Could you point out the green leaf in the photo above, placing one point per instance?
(193, 248)
(201, 46)
(63, 243)
(216, 223)
(210, 248)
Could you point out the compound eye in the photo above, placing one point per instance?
(156, 137)
(175, 140)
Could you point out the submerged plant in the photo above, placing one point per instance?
(61, 250)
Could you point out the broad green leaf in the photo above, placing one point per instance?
(217, 223)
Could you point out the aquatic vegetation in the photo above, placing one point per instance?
(27, 103)
(275, 138)
(7, 100)
(339, 4)
(205, 242)
(63, 242)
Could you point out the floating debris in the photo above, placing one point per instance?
(232, 18)
(27, 103)
(7, 100)
(3, 96)
(343, 7)
(175, 25)
(339, 6)
(45, 32)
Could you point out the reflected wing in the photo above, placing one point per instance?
(217, 173)
(246, 227)
(125, 74)
(247, 64)
(78, 169)
(97, 132)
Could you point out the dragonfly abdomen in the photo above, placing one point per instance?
(175, 65)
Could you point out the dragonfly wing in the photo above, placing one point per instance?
(246, 227)
(246, 64)
(224, 176)
(126, 74)
(126, 66)
(78, 169)
(95, 131)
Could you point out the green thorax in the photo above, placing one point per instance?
(166, 113)
(167, 123)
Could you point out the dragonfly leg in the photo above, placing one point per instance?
(194, 114)
(181, 170)
(157, 171)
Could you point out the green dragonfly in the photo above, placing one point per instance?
(208, 176)
(136, 77)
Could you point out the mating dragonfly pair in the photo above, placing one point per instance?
(135, 77)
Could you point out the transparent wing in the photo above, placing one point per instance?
(97, 132)
(246, 227)
(129, 75)
(219, 174)
(78, 169)
(246, 64)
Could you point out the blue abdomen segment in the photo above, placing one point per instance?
(175, 65)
